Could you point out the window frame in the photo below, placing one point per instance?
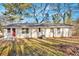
(8, 30)
(58, 30)
(25, 30)
(39, 29)
(51, 29)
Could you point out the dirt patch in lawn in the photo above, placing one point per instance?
(72, 50)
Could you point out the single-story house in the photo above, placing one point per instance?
(31, 30)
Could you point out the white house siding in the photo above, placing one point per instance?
(5, 33)
(52, 32)
(19, 33)
(11, 32)
(34, 33)
(58, 32)
(24, 35)
(70, 32)
(55, 32)
(61, 32)
(47, 32)
(65, 32)
(30, 33)
(41, 33)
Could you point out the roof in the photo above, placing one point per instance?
(35, 25)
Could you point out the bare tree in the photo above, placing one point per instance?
(57, 16)
(39, 11)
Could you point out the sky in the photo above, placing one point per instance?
(75, 13)
(2, 9)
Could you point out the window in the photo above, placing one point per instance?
(25, 30)
(8, 30)
(13, 29)
(51, 30)
(58, 30)
(39, 30)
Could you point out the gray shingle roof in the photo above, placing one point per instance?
(34, 25)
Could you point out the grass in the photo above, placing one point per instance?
(34, 47)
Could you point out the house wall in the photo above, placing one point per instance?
(34, 33)
(66, 32)
(52, 32)
(5, 33)
(57, 32)
(47, 34)
(19, 33)
(62, 32)
(30, 33)
(70, 32)
(42, 32)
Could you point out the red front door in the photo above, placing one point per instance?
(13, 32)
